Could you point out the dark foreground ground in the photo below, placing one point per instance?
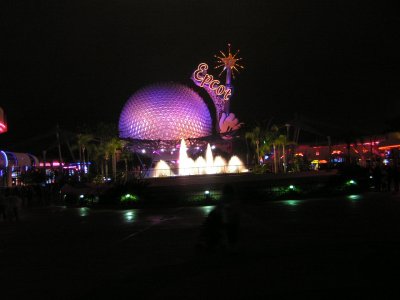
(341, 247)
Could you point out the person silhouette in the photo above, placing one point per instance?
(221, 227)
(230, 210)
(377, 173)
(396, 176)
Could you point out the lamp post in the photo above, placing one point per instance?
(284, 148)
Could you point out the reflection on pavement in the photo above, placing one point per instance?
(129, 216)
(83, 211)
(206, 209)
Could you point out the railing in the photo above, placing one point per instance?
(190, 171)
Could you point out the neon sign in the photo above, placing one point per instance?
(3, 127)
(204, 79)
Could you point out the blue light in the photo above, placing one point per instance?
(5, 157)
(15, 158)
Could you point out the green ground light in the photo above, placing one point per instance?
(129, 198)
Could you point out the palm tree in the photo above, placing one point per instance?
(111, 149)
(104, 133)
(83, 140)
(97, 153)
(268, 142)
(263, 140)
(126, 156)
(84, 144)
(91, 150)
(282, 141)
(255, 136)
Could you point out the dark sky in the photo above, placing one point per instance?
(73, 62)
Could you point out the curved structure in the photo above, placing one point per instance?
(12, 164)
(165, 111)
(3, 124)
(14, 159)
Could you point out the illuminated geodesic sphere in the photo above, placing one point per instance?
(165, 111)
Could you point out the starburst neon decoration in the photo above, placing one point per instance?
(228, 62)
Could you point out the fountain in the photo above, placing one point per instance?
(200, 166)
(219, 165)
(184, 164)
(235, 165)
(162, 169)
(209, 161)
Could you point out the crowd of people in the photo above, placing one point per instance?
(13, 199)
(386, 177)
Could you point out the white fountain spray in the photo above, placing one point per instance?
(162, 169)
(183, 158)
(209, 161)
(201, 166)
(219, 165)
(235, 165)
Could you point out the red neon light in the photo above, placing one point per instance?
(51, 164)
(42, 164)
(389, 147)
(337, 152)
(3, 127)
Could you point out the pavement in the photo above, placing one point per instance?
(345, 246)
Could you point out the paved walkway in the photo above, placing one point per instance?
(339, 247)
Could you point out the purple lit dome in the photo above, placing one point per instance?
(165, 111)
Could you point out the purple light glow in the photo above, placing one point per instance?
(165, 111)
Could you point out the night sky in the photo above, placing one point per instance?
(77, 62)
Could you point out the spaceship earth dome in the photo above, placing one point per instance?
(165, 111)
